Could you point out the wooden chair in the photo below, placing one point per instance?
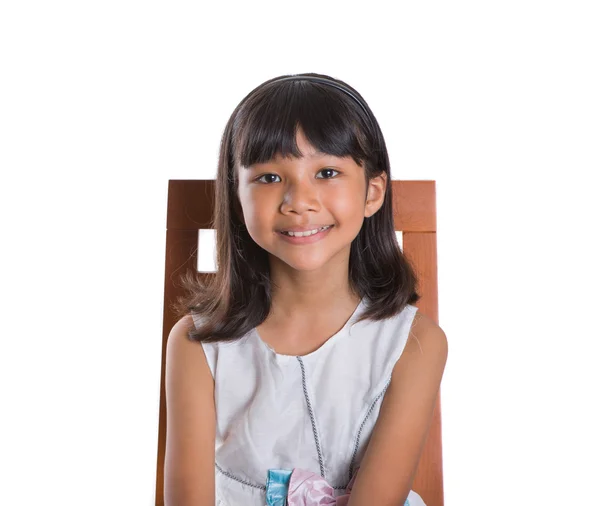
(190, 208)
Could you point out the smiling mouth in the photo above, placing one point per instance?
(307, 233)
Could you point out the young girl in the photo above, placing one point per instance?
(301, 373)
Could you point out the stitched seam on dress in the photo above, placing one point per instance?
(233, 477)
(312, 418)
(352, 461)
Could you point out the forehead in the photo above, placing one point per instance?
(308, 152)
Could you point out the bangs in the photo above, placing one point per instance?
(268, 123)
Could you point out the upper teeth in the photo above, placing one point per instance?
(304, 234)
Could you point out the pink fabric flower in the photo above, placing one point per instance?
(310, 489)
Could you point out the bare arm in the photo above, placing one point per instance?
(190, 448)
(390, 462)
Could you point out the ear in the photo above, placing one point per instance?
(375, 194)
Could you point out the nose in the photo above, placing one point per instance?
(300, 196)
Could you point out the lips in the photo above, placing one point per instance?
(305, 231)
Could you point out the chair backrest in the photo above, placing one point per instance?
(190, 208)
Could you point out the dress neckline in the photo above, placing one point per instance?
(343, 331)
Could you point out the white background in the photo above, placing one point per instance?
(101, 103)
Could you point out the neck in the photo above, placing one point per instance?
(296, 294)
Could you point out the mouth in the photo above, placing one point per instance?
(306, 233)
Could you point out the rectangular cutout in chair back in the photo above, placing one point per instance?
(207, 251)
(399, 238)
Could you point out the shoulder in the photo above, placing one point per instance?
(178, 336)
(186, 323)
(426, 336)
(182, 352)
(426, 348)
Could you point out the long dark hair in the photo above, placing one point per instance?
(237, 297)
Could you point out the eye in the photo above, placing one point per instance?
(328, 170)
(265, 175)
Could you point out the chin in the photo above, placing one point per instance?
(302, 263)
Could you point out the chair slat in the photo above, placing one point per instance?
(420, 248)
(414, 206)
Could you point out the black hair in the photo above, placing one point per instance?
(265, 123)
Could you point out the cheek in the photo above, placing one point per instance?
(347, 206)
(256, 218)
(248, 204)
(256, 231)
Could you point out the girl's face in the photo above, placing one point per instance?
(310, 192)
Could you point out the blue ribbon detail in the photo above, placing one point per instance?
(278, 481)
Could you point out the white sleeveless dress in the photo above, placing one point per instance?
(314, 412)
